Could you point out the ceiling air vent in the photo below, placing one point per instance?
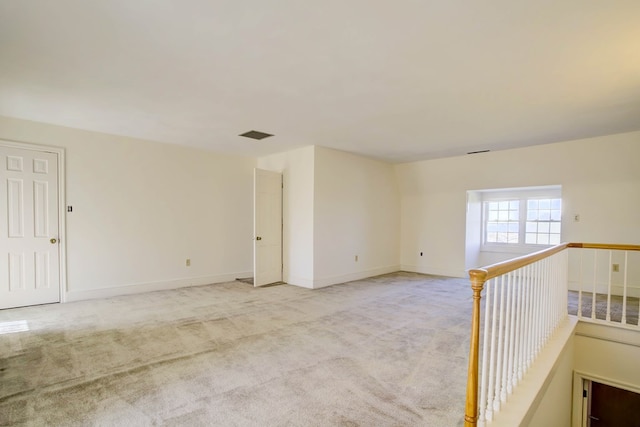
(254, 134)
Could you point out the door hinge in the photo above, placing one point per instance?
(584, 393)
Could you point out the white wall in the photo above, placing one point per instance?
(336, 205)
(357, 213)
(297, 167)
(555, 399)
(607, 355)
(600, 179)
(473, 237)
(140, 209)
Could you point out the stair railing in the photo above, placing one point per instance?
(606, 277)
(526, 299)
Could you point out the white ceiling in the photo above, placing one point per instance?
(397, 80)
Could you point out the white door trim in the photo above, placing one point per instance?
(62, 230)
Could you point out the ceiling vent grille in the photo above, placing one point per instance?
(254, 134)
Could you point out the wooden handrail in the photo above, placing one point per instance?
(478, 277)
(500, 268)
(609, 246)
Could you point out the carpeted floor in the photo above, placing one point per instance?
(386, 351)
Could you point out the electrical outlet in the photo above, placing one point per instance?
(616, 268)
(188, 262)
(356, 258)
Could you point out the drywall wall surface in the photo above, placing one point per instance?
(608, 354)
(297, 168)
(554, 407)
(600, 179)
(140, 209)
(473, 230)
(356, 219)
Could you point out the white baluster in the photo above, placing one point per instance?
(507, 339)
(513, 286)
(553, 292)
(492, 357)
(519, 329)
(595, 272)
(542, 304)
(545, 307)
(541, 321)
(524, 323)
(565, 285)
(580, 282)
(530, 298)
(624, 289)
(498, 390)
(608, 318)
(562, 286)
(546, 313)
(536, 312)
(485, 347)
(553, 286)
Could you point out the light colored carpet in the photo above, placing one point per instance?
(386, 351)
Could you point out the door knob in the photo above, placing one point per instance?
(53, 241)
(258, 238)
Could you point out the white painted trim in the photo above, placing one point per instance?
(300, 282)
(62, 218)
(334, 280)
(609, 331)
(138, 288)
(434, 271)
(578, 409)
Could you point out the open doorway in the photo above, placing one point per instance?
(609, 406)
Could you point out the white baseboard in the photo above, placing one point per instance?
(434, 271)
(138, 288)
(299, 281)
(334, 280)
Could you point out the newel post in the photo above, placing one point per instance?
(478, 279)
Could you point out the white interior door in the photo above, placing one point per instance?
(267, 227)
(29, 248)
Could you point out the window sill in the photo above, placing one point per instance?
(514, 249)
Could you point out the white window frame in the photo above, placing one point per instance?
(522, 195)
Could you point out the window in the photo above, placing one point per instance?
(522, 218)
(503, 221)
(543, 222)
